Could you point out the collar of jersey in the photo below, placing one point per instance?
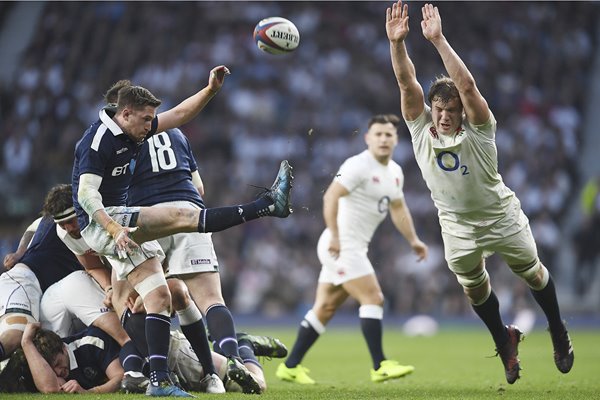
(72, 360)
(110, 124)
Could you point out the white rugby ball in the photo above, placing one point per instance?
(276, 35)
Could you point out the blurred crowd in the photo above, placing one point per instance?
(531, 61)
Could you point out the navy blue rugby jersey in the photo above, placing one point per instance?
(90, 353)
(106, 151)
(163, 171)
(48, 257)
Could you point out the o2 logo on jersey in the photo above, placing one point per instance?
(162, 155)
(449, 161)
(122, 170)
(383, 205)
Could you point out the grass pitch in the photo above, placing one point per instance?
(454, 364)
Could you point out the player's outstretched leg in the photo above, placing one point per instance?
(509, 352)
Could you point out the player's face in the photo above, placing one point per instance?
(447, 117)
(138, 122)
(72, 227)
(60, 364)
(381, 141)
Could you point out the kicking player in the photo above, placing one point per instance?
(454, 144)
(104, 161)
(366, 187)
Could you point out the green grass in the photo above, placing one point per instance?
(454, 364)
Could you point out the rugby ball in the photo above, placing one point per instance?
(276, 35)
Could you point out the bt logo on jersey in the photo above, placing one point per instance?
(122, 170)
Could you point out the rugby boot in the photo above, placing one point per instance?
(265, 346)
(237, 372)
(390, 369)
(298, 374)
(563, 350)
(279, 193)
(508, 353)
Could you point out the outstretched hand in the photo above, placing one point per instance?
(217, 77)
(420, 249)
(396, 22)
(432, 22)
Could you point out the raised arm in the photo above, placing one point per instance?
(411, 93)
(475, 106)
(44, 377)
(190, 107)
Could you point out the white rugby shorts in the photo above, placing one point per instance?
(188, 253)
(103, 243)
(352, 263)
(510, 237)
(71, 304)
(20, 292)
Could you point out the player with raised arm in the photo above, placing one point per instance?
(366, 187)
(104, 162)
(454, 145)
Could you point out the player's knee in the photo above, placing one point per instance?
(325, 311)
(180, 296)
(534, 274)
(156, 295)
(475, 283)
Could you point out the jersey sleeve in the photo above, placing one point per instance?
(190, 154)
(351, 174)
(104, 354)
(399, 194)
(417, 127)
(486, 130)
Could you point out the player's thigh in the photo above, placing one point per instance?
(190, 253)
(519, 249)
(366, 289)
(205, 288)
(352, 262)
(462, 255)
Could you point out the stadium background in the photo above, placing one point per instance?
(537, 64)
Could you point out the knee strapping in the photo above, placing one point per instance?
(535, 274)
(371, 311)
(16, 321)
(476, 284)
(150, 283)
(314, 322)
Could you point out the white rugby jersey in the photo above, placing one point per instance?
(372, 187)
(461, 171)
(77, 246)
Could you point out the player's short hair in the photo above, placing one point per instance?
(58, 200)
(443, 89)
(48, 344)
(384, 119)
(112, 94)
(136, 97)
(16, 376)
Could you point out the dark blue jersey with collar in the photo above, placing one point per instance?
(90, 353)
(163, 171)
(106, 151)
(47, 255)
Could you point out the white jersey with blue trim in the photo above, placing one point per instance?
(461, 171)
(372, 186)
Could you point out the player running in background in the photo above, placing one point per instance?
(454, 145)
(104, 162)
(366, 187)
